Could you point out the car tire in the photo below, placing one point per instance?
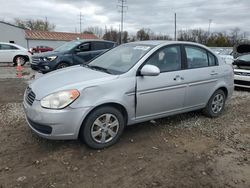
(62, 65)
(216, 104)
(22, 60)
(102, 127)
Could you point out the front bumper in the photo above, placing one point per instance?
(43, 67)
(242, 79)
(54, 124)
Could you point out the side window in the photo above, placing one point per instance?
(196, 57)
(14, 48)
(84, 47)
(166, 59)
(109, 45)
(212, 59)
(8, 47)
(98, 46)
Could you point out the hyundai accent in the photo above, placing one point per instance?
(132, 83)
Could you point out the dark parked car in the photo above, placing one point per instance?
(40, 49)
(71, 53)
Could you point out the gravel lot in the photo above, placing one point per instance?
(187, 150)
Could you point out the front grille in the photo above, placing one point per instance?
(30, 96)
(242, 73)
(35, 60)
(45, 129)
(240, 82)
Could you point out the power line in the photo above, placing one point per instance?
(209, 25)
(122, 5)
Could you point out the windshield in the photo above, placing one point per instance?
(67, 46)
(120, 59)
(244, 58)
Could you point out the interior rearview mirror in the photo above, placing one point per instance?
(150, 70)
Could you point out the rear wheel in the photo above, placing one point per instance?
(62, 65)
(21, 59)
(102, 128)
(216, 104)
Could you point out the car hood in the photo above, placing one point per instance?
(47, 54)
(76, 77)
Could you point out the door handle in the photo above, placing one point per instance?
(178, 78)
(213, 73)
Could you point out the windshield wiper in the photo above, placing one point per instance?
(98, 68)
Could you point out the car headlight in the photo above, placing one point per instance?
(50, 58)
(60, 99)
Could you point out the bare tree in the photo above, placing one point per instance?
(40, 25)
(125, 37)
(142, 34)
(98, 31)
(220, 39)
(111, 34)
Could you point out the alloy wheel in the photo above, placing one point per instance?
(105, 128)
(217, 103)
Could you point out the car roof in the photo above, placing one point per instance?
(169, 42)
(94, 40)
(166, 42)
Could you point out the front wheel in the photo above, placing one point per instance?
(102, 128)
(62, 65)
(216, 104)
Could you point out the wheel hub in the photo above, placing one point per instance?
(217, 103)
(105, 128)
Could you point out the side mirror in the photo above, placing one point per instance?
(150, 70)
(77, 50)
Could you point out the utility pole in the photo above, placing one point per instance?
(81, 16)
(122, 6)
(175, 38)
(209, 26)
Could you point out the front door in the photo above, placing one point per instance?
(163, 94)
(82, 53)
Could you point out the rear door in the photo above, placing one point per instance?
(163, 94)
(7, 52)
(201, 75)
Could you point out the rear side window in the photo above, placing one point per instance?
(109, 45)
(212, 59)
(196, 57)
(99, 46)
(7, 47)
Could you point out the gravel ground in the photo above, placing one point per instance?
(187, 150)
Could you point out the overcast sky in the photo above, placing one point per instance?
(158, 15)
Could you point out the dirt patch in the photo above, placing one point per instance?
(11, 90)
(187, 150)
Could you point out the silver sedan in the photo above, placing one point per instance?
(131, 83)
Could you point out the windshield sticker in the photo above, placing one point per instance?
(141, 48)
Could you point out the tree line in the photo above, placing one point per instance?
(219, 39)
